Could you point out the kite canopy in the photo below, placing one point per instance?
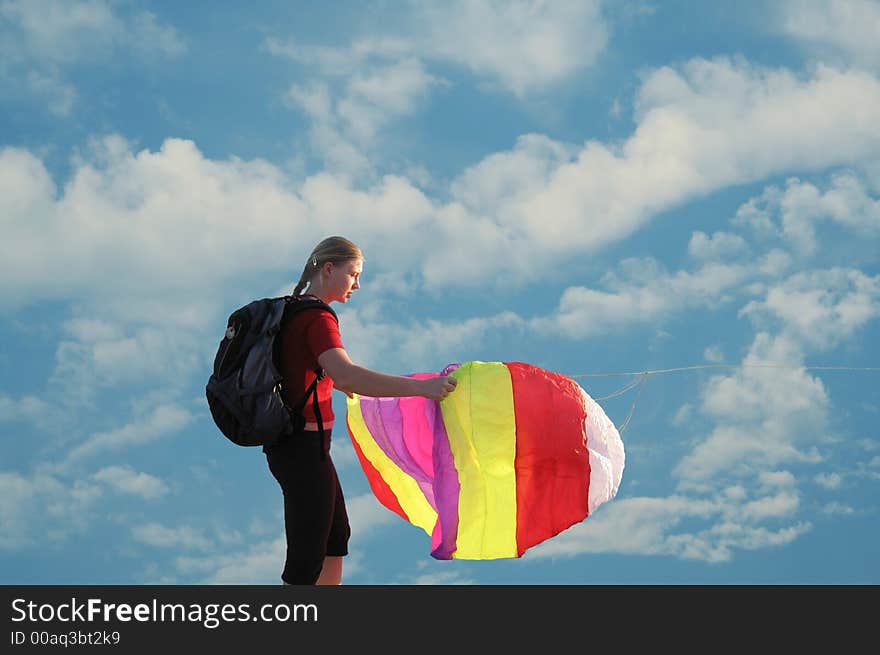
(514, 456)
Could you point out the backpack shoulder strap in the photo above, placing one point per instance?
(293, 306)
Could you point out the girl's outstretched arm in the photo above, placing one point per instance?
(352, 378)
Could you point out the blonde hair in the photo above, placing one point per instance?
(331, 249)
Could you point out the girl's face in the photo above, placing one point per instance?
(344, 279)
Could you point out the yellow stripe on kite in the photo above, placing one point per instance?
(409, 495)
(481, 425)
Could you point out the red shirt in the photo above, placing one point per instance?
(303, 338)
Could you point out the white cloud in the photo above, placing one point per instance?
(257, 562)
(643, 293)
(341, 62)
(343, 452)
(91, 330)
(628, 525)
(128, 243)
(687, 527)
(126, 480)
(781, 505)
(795, 213)
(828, 480)
(259, 566)
(145, 225)
(260, 563)
(679, 526)
(49, 505)
(60, 31)
(683, 415)
(845, 26)
(377, 343)
(353, 92)
(40, 40)
(339, 153)
(59, 96)
(441, 578)
(43, 507)
(375, 97)
(64, 31)
(163, 420)
(100, 360)
(835, 508)
(820, 308)
(27, 188)
(150, 38)
(524, 45)
(27, 408)
(371, 98)
(314, 99)
(720, 245)
(771, 480)
(764, 416)
(775, 263)
(701, 127)
(713, 354)
(500, 182)
(391, 206)
(366, 514)
(148, 224)
(160, 536)
(15, 492)
(717, 543)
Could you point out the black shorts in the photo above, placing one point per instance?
(315, 520)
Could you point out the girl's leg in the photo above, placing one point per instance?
(331, 572)
(308, 482)
(337, 541)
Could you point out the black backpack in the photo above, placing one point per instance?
(244, 390)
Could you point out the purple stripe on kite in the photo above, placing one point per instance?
(371, 411)
(446, 487)
(382, 418)
(392, 418)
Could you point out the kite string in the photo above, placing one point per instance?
(622, 390)
(703, 366)
(643, 376)
(632, 407)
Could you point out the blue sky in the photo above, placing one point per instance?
(585, 186)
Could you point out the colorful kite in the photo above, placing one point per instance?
(513, 456)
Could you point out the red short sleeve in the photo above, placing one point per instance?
(321, 333)
(303, 338)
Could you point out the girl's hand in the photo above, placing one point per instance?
(438, 388)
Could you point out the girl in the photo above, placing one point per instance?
(315, 519)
